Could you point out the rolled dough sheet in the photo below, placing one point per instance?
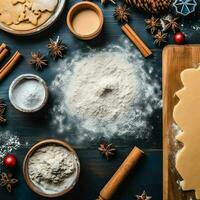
(187, 116)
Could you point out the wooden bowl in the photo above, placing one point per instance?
(38, 145)
(77, 8)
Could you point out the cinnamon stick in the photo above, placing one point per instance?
(2, 47)
(136, 40)
(114, 183)
(10, 65)
(3, 54)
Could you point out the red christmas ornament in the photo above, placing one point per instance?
(10, 161)
(179, 38)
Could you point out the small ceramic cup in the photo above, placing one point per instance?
(20, 79)
(78, 7)
(35, 147)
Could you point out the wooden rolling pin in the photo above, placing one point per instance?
(127, 166)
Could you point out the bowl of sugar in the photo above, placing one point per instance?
(28, 93)
(51, 168)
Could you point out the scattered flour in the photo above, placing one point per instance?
(8, 143)
(105, 93)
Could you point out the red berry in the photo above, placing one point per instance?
(179, 38)
(10, 161)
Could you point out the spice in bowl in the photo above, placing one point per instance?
(51, 168)
(85, 20)
(28, 93)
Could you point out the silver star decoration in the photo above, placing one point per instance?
(143, 196)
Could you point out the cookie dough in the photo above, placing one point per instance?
(187, 115)
(9, 14)
(26, 14)
(41, 5)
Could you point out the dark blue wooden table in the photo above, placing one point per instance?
(95, 171)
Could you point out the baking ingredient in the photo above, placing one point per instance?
(160, 38)
(121, 174)
(152, 24)
(185, 7)
(56, 48)
(3, 46)
(121, 13)
(132, 35)
(2, 111)
(53, 168)
(38, 60)
(29, 94)
(2, 104)
(105, 93)
(171, 24)
(186, 114)
(151, 6)
(10, 13)
(86, 22)
(7, 180)
(8, 67)
(40, 5)
(8, 143)
(143, 196)
(26, 14)
(10, 161)
(107, 150)
(3, 51)
(3, 54)
(179, 38)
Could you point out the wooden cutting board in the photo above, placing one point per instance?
(176, 58)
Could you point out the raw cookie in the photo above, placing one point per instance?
(14, 2)
(187, 115)
(31, 16)
(43, 5)
(24, 26)
(9, 13)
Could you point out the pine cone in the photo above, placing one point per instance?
(152, 6)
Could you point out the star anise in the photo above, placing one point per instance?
(56, 48)
(2, 111)
(172, 24)
(121, 13)
(107, 150)
(160, 38)
(152, 24)
(2, 105)
(143, 196)
(105, 1)
(7, 181)
(38, 60)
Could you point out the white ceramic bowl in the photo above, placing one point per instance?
(17, 81)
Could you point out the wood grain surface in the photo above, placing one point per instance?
(175, 60)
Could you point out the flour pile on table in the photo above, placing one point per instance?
(105, 93)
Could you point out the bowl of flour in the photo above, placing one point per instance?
(28, 93)
(51, 168)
